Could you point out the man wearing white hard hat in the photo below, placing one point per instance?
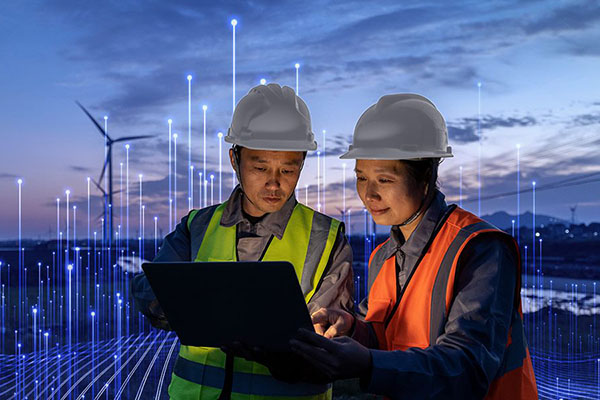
(442, 318)
(270, 133)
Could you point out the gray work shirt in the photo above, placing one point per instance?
(336, 288)
(465, 358)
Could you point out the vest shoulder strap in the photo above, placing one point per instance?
(200, 217)
(197, 223)
(376, 261)
(467, 226)
(323, 233)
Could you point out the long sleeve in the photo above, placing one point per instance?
(175, 247)
(337, 287)
(362, 330)
(466, 357)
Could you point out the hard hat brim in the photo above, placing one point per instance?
(261, 144)
(392, 154)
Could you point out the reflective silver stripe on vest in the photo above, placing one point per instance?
(197, 228)
(243, 383)
(386, 251)
(515, 352)
(438, 315)
(316, 245)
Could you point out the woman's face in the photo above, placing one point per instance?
(387, 191)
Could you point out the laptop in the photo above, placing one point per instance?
(213, 304)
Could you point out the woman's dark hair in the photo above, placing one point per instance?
(422, 172)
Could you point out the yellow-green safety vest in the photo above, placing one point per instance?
(199, 372)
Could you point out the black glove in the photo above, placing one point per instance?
(284, 366)
(157, 317)
(333, 359)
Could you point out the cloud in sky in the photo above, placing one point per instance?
(130, 62)
(586, 119)
(575, 16)
(78, 168)
(4, 175)
(465, 129)
(145, 52)
(336, 144)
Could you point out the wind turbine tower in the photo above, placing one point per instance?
(108, 227)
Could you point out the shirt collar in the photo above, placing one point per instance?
(422, 233)
(273, 223)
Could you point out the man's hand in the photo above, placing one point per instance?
(157, 317)
(332, 322)
(338, 358)
(284, 366)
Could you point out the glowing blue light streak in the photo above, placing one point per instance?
(89, 216)
(306, 194)
(191, 198)
(141, 229)
(324, 173)
(105, 146)
(175, 177)
(155, 235)
(20, 251)
(344, 193)
(233, 24)
(318, 178)
(67, 192)
(205, 191)
(200, 181)
(204, 108)
(189, 78)
(297, 66)
(479, 148)
(170, 122)
(127, 194)
(212, 182)
(533, 230)
(220, 136)
(519, 194)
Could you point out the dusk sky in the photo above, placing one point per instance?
(538, 63)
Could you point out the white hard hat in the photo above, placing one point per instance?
(400, 127)
(271, 117)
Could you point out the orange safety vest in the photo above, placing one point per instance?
(417, 319)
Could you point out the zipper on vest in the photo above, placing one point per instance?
(400, 292)
(266, 248)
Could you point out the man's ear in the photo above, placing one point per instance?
(232, 160)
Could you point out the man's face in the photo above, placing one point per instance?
(268, 178)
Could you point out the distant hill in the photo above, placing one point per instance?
(502, 219)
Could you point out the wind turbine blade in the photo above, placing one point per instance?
(105, 163)
(133, 138)
(99, 187)
(94, 121)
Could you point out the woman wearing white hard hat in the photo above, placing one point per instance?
(443, 316)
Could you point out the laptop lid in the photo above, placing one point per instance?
(215, 303)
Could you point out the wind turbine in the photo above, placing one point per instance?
(104, 195)
(573, 209)
(108, 226)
